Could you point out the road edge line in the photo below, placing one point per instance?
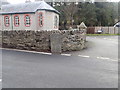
(27, 51)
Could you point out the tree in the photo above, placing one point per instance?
(91, 13)
(69, 11)
(87, 13)
(119, 10)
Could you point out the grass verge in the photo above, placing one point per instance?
(102, 34)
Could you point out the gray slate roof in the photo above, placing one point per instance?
(26, 7)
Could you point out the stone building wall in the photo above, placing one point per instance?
(41, 40)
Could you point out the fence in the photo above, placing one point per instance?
(105, 30)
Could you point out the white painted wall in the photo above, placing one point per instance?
(48, 21)
(22, 23)
(37, 20)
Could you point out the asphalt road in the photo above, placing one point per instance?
(100, 46)
(0, 70)
(94, 67)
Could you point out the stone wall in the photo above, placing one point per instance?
(73, 40)
(44, 40)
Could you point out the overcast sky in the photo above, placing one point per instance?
(17, 1)
(22, 1)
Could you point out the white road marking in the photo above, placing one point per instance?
(114, 60)
(104, 38)
(0, 80)
(28, 51)
(84, 56)
(46, 53)
(66, 54)
(103, 58)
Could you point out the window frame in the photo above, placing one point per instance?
(39, 19)
(7, 25)
(25, 20)
(15, 21)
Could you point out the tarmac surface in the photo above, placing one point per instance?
(94, 67)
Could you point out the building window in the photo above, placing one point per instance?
(27, 20)
(6, 21)
(56, 22)
(16, 20)
(41, 19)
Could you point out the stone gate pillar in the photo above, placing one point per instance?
(56, 43)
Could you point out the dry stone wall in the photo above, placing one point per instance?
(44, 40)
(73, 40)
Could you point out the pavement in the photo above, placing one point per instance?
(94, 67)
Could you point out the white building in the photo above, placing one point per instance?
(29, 16)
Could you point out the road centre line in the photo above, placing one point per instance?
(84, 56)
(0, 80)
(66, 54)
(103, 58)
(114, 60)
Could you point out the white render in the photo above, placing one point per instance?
(48, 21)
